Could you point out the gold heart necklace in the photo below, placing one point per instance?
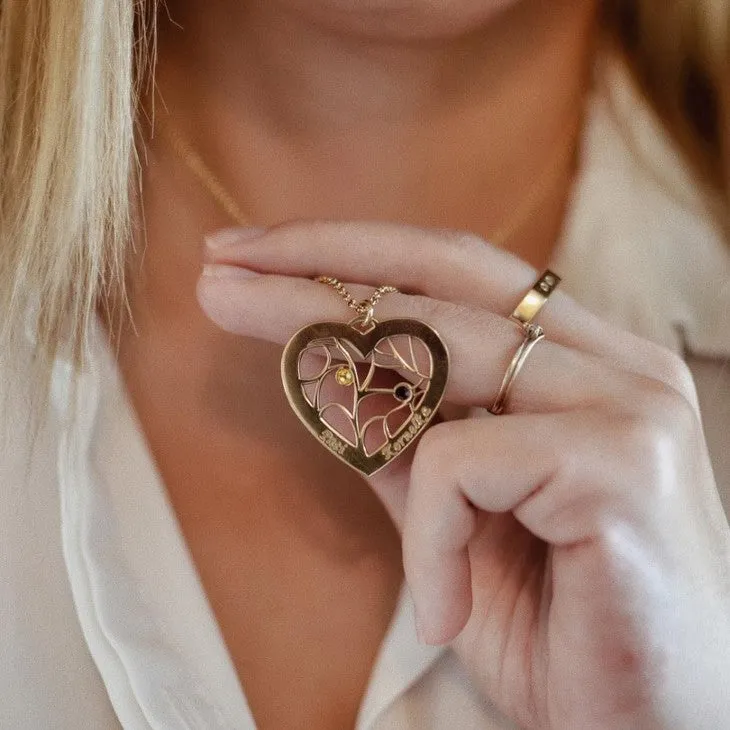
(365, 389)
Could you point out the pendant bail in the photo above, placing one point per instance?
(367, 311)
(365, 321)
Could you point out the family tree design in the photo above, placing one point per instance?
(366, 400)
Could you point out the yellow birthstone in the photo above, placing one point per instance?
(344, 376)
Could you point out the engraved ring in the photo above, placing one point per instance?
(523, 315)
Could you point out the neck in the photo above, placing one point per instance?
(358, 114)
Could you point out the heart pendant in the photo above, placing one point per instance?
(365, 394)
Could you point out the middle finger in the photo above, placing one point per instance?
(480, 343)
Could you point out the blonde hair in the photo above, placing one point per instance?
(69, 80)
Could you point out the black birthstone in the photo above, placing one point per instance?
(402, 392)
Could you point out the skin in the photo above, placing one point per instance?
(573, 551)
(439, 115)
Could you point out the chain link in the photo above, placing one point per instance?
(363, 307)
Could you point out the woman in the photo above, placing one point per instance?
(564, 564)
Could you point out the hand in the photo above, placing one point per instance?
(574, 550)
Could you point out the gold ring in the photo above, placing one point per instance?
(534, 300)
(523, 315)
(533, 334)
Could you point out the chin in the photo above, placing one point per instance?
(400, 19)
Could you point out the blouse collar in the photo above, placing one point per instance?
(141, 605)
(639, 247)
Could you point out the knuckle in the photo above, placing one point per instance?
(446, 313)
(640, 436)
(465, 250)
(670, 412)
(463, 245)
(651, 440)
(674, 371)
(460, 251)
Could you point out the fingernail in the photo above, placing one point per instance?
(225, 271)
(231, 236)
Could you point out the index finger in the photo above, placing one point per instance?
(447, 265)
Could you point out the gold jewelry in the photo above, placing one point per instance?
(364, 307)
(345, 349)
(523, 315)
(365, 389)
(533, 334)
(195, 163)
(536, 195)
(535, 299)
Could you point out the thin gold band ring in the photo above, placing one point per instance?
(533, 334)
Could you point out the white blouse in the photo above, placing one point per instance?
(104, 621)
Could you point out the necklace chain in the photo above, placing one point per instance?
(364, 306)
(536, 195)
(219, 193)
(205, 176)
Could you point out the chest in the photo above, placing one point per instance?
(299, 561)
